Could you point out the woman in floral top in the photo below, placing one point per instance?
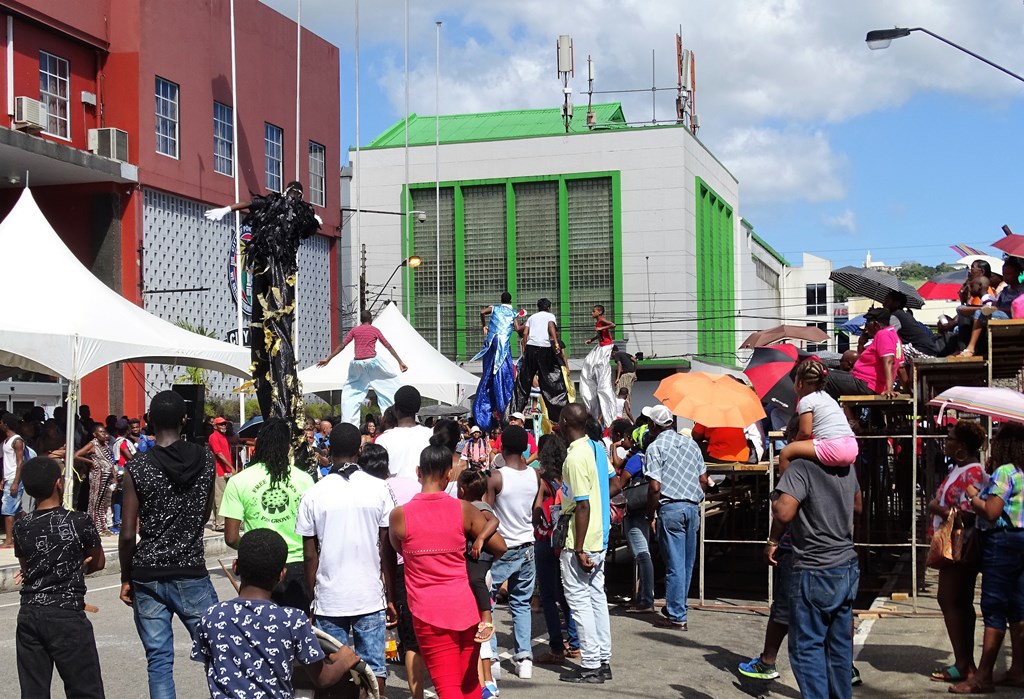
(957, 581)
(1000, 509)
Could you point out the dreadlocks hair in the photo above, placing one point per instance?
(272, 446)
(1008, 445)
(812, 373)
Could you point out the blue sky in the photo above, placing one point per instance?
(838, 149)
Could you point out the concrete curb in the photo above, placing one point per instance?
(214, 545)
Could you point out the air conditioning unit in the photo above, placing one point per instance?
(29, 113)
(110, 143)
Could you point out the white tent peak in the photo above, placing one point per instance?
(433, 374)
(75, 323)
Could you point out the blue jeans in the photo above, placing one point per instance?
(638, 528)
(820, 633)
(1002, 577)
(154, 607)
(365, 634)
(678, 526)
(589, 604)
(516, 566)
(552, 596)
(10, 505)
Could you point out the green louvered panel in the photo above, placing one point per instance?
(537, 263)
(591, 258)
(425, 276)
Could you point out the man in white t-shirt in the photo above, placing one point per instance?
(344, 520)
(407, 440)
(543, 357)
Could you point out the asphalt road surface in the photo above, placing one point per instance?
(894, 655)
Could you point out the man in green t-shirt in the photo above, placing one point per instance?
(266, 495)
(582, 559)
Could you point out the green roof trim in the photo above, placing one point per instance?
(498, 126)
(764, 244)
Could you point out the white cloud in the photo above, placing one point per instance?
(772, 75)
(846, 221)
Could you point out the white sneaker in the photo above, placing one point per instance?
(496, 669)
(524, 668)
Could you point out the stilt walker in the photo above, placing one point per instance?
(497, 375)
(279, 223)
(544, 358)
(366, 370)
(596, 387)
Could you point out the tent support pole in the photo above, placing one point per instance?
(69, 430)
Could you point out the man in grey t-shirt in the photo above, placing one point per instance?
(818, 503)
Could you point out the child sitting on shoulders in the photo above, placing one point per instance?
(56, 549)
(249, 644)
(824, 433)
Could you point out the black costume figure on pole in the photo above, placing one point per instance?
(279, 223)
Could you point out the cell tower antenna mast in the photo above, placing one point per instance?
(686, 80)
(566, 59)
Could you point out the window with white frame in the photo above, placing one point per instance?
(816, 300)
(273, 156)
(223, 139)
(317, 169)
(166, 117)
(818, 347)
(54, 91)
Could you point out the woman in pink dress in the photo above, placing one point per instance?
(430, 531)
(957, 581)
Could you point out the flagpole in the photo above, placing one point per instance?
(359, 179)
(239, 290)
(437, 173)
(298, 141)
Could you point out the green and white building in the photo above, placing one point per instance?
(644, 221)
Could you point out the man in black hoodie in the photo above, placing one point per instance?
(168, 493)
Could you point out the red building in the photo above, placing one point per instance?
(120, 112)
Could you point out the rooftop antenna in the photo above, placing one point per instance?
(591, 116)
(565, 70)
(686, 80)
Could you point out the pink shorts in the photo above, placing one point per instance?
(840, 451)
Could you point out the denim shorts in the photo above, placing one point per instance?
(1002, 577)
(365, 634)
(780, 586)
(11, 506)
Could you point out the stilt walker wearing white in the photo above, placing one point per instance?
(596, 386)
(366, 370)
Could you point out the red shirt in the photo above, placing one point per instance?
(605, 334)
(366, 337)
(219, 445)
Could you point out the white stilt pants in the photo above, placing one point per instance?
(364, 374)
(596, 388)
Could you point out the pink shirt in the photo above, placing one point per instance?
(869, 367)
(366, 337)
(435, 564)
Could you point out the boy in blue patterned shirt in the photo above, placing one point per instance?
(249, 644)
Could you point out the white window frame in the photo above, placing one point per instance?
(46, 61)
(224, 137)
(317, 174)
(167, 111)
(273, 156)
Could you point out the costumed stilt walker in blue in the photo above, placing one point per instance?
(497, 375)
(279, 223)
(366, 370)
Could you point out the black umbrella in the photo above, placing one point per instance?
(251, 427)
(875, 285)
(440, 410)
(769, 369)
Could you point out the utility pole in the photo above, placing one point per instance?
(362, 281)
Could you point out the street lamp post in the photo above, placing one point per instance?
(881, 38)
(421, 217)
(412, 262)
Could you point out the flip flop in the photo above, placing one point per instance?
(484, 631)
(947, 674)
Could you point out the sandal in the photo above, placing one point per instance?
(969, 687)
(573, 653)
(484, 631)
(947, 674)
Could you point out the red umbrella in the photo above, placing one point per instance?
(945, 286)
(768, 370)
(1012, 244)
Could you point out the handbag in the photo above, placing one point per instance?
(636, 494)
(560, 532)
(954, 542)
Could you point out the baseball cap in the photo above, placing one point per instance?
(659, 414)
(518, 416)
(219, 421)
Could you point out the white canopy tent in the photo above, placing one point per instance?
(76, 323)
(433, 374)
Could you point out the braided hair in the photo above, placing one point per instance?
(812, 373)
(272, 450)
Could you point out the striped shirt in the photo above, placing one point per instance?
(366, 337)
